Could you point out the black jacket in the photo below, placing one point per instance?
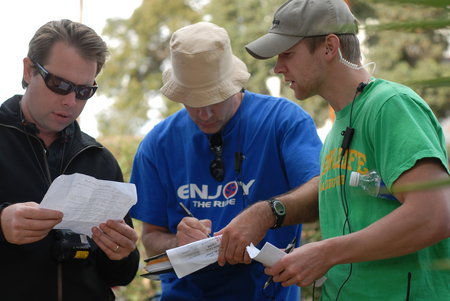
(29, 272)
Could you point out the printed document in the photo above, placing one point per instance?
(87, 202)
(194, 256)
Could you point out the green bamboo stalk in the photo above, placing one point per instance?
(421, 186)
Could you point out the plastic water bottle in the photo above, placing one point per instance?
(371, 183)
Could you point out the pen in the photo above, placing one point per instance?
(289, 248)
(188, 213)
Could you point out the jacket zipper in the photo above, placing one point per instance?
(49, 181)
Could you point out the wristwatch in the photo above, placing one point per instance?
(279, 210)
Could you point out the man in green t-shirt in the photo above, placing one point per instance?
(373, 248)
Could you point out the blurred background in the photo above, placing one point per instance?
(408, 40)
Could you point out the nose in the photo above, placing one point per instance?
(204, 113)
(69, 100)
(279, 67)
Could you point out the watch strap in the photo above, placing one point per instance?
(279, 214)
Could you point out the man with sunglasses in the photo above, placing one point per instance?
(227, 156)
(40, 139)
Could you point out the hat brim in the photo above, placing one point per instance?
(205, 96)
(270, 45)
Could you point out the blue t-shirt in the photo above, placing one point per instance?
(280, 147)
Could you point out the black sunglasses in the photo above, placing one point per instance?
(217, 167)
(62, 86)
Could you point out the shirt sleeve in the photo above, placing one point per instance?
(300, 146)
(145, 171)
(405, 131)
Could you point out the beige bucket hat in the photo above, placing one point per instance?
(203, 69)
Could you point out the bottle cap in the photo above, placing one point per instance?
(354, 179)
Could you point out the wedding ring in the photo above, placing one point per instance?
(117, 248)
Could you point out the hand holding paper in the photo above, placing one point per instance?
(87, 202)
(270, 255)
(17, 228)
(116, 238)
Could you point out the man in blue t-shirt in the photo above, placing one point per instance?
(237, 160)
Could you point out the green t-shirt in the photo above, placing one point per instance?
(394, 128)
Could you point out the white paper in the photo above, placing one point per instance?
(194, 256)
(268, 255)
(87, 202)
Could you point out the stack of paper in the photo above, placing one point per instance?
(184, 260)
(158, 264)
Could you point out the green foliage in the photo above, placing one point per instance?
(427, 3)
(139, 48)
(245, 20)
(123, 148)
(410, 50)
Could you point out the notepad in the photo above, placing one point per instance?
(158, 264)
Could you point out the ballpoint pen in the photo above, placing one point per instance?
(289, 248)
(188, 212)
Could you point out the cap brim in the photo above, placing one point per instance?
(270, 45)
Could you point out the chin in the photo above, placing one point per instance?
(209, 130)
(299, 97)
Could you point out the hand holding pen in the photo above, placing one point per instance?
(206, 223)
(289, 248)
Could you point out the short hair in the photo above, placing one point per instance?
(350, 46)
(83, 38)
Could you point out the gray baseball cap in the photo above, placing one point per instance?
(297, 19)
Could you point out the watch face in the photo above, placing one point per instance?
(279, 208)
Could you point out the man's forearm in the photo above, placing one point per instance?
(301, 203)
(158, 242)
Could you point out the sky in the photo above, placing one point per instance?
(19, 20)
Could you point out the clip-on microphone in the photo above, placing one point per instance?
(238, 158)
(348, 135)
(361, 87)
(349, 131)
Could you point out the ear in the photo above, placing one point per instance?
(331, 45)
(27, 70)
